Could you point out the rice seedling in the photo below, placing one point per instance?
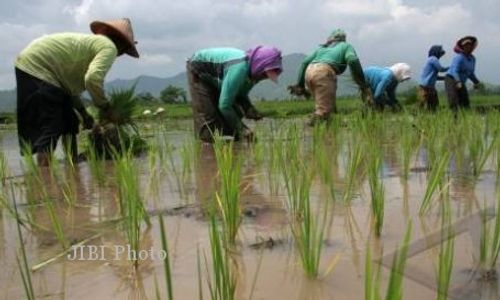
(116, 130)
(166, 261)
(131, 206)
(489, 246)
(222, 280)
(446, 253)
(298, 182)
(354, 160)
(497, 167)
(480, 145)
(228, 196)
(4, 169)
(258, 151)
(373, 278)
(22, 263)
(480, 151)
(154, 169)
(174, 169)
(435, 180)
(69, 193)
(308, 232)
(56, 223)
(373, 275)
(321, 156)
(96, 165)
(377, 192)
(187, 153)
(273, 163)
(198, 272)
(395, 287)
(408, 148)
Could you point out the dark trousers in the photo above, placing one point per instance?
(44, 113)
(205, 104)
(428, 98)
(457, 98)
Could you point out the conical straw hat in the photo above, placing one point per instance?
(119, 27)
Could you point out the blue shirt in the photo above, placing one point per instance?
(462, 68)
(430, 72)
(382, 84)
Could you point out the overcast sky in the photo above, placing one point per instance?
(382, 31)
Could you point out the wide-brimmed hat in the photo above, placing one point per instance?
(121, 28)
(467, 40)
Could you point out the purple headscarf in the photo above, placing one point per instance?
(262, 59)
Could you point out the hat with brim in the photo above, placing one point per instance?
(467, 40)
(121, 28)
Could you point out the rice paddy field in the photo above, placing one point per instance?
(371, 206)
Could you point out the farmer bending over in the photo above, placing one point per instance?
(318, 74)
(219, 82)
(383, 83)
(53, 71)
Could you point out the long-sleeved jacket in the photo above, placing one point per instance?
(462, 68)
(338, 56)
(430, 72)
(382, 83)
(228, 71)
(74, 62)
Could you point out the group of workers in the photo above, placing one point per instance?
(55, 69)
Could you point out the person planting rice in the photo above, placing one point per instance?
(384, 81)
(219, 82)
(53, 71)
(318, 74)
(462, 68)
(427, 89)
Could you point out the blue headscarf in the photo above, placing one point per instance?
(437, 51)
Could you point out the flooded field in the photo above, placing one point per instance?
(291, 216)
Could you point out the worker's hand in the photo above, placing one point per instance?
(479, 86)
(248, 135)
(459, 85)
(106, 113)
(253, 114)
(296, 90)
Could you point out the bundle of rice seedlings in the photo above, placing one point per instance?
(116, 131)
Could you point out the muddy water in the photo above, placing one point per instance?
(181, 198)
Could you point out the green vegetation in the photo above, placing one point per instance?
(222, 280)
(116, 130)
(132, 208)
(436, 179)
(228, 197)
(166, 261)
(313, 174)
(377, 193)
(373, 274)
(173, 94)
(490, 245)
(446, 252)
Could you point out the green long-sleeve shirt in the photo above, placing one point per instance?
(74, 62)
(233, 82)
(339, 56)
